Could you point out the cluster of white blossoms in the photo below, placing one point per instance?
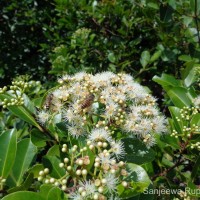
(113, 102)
(100, 109)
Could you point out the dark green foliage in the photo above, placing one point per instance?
(143, 38)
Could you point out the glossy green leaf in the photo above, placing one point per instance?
(166, 80)
(54, 151)
(153, 5)
(138, 179)
(179, 96)
(25, 186)
(36, 169)
(24, 156)
(195, 168)
(38, 138)
(137, 152)
(50, 192)
(55, 193)
(21, 112)
(8, 145)
(52, 163)
(146, 195)
(191, 77)
(111, 57)
(145, 58)
(175, 114)
(155, 56)
(23, 195)
(195, 119)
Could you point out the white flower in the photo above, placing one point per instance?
(76, 196)
(89, 187)
(148, 139)
(118, 149)
(143, 126)
(105, 160)
(110, 109)
(127, 78)
(99, 134)
(102, 79)
(196, 101)
(57, 93)
(66, 77)
(111, 182)
(135, 91)
(145, 110)
(159, 124)
(75, 130)
(79, 76)
(72, 117)
(129, 125)
(43, 116)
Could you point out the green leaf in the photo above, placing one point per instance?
(8, 144)
(21, 112)
(25, 195)
(155, 56)
(146, 195)
(24, 156)
(55, 193)
(195, 119)
(54, 151)
(166, 13)
(36, 169)
(50, 192)
(191, 77)
(52, 163)
(195, 168)
(166, 80)
(138, 179)
(185, 58)
(195, 6)
(167, 139)
(25, 186)
(175, 113)
(111, 57)
(145, 58)
(38, 138)
(153, 5)
(179, 96)
(137, 152)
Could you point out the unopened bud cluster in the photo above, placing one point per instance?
(15, 92)
(188, 128)
(86, 177)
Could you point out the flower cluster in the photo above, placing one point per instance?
(88, 177)
(105, 101)
(189, 126)
(14, 93)
(100, 109)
